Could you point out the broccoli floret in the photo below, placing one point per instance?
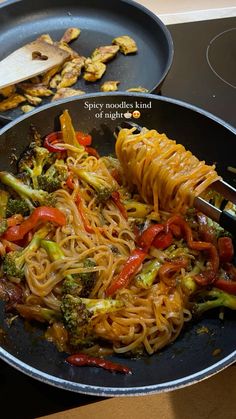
(51, 180)
(212, 299)
(33, 162)
(14, 262)
(3, 226)
(17, 206)
(80, 284)
(4, 197)
(36, 312)
(77, 313)
(30, 195)
(102, 188)
(148, 274)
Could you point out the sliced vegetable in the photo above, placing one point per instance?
(83, 139)
(130, 268)
(68, 132)
(39, 215)
(226, 249)
(51, 140)
(92, 151)
(86, 360)
(163, 240)
(147, 237)
(226, 285)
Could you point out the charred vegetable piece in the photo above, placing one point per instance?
(105, 53)
(126, 44)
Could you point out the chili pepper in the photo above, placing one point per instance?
(69, 182)
(226, 249)
(80, 206)
(129, 269)
(39, 215)
(51, 140)
(83, 139)
(163, 240)
(91, 361)
(92, 151)
(115, 196)
(147, 237)
(226, 285)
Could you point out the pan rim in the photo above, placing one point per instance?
(118, 391)
(150, 96)
(155, 18)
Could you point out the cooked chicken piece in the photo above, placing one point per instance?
(70, 34)
(104, 54)
(66, 92)
(33, 100)
(55, 81)
(35, 89)
(11, 102)
(27, 108)
(109, 86)
(71, 71)
(50, 73)
(35, 80)
(46, 38)
(8, 91)
(137, 89)
(126, 44)
(94, 70)
(65, 46)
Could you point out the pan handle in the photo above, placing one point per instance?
(4, 120)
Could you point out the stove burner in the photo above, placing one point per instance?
(221, 56)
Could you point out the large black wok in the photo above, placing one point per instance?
(190, 358)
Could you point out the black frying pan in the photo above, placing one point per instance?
(190, 358)
(100, 21)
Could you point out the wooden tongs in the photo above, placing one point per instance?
(222, 217)
(29, 61)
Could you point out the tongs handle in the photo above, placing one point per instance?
(224, 218)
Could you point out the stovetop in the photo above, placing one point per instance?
(204, 67)
(203, 74)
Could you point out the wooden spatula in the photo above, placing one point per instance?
(29, 61)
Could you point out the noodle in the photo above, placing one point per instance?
(166, 176)
(164, 173)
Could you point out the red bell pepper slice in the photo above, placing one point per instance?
(92, 151)
(83, 139)
(51, 140)
(147, 237)
(91, 361)
(226, 249)
(115, 196)
(226, 285)
(80, 206)
(130, 268)
(39, 215)
(163, 240)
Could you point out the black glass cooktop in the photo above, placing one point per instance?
(204, 74)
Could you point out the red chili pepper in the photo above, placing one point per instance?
(115, 196)
(91, 361)
(130, 268)
(51, 140)
(163, 240)
(147, 237)
(39, 215)
(83, 139)
(80, 207)
(226, 249)
(168, 271)
(92, 151)
(226, 285)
